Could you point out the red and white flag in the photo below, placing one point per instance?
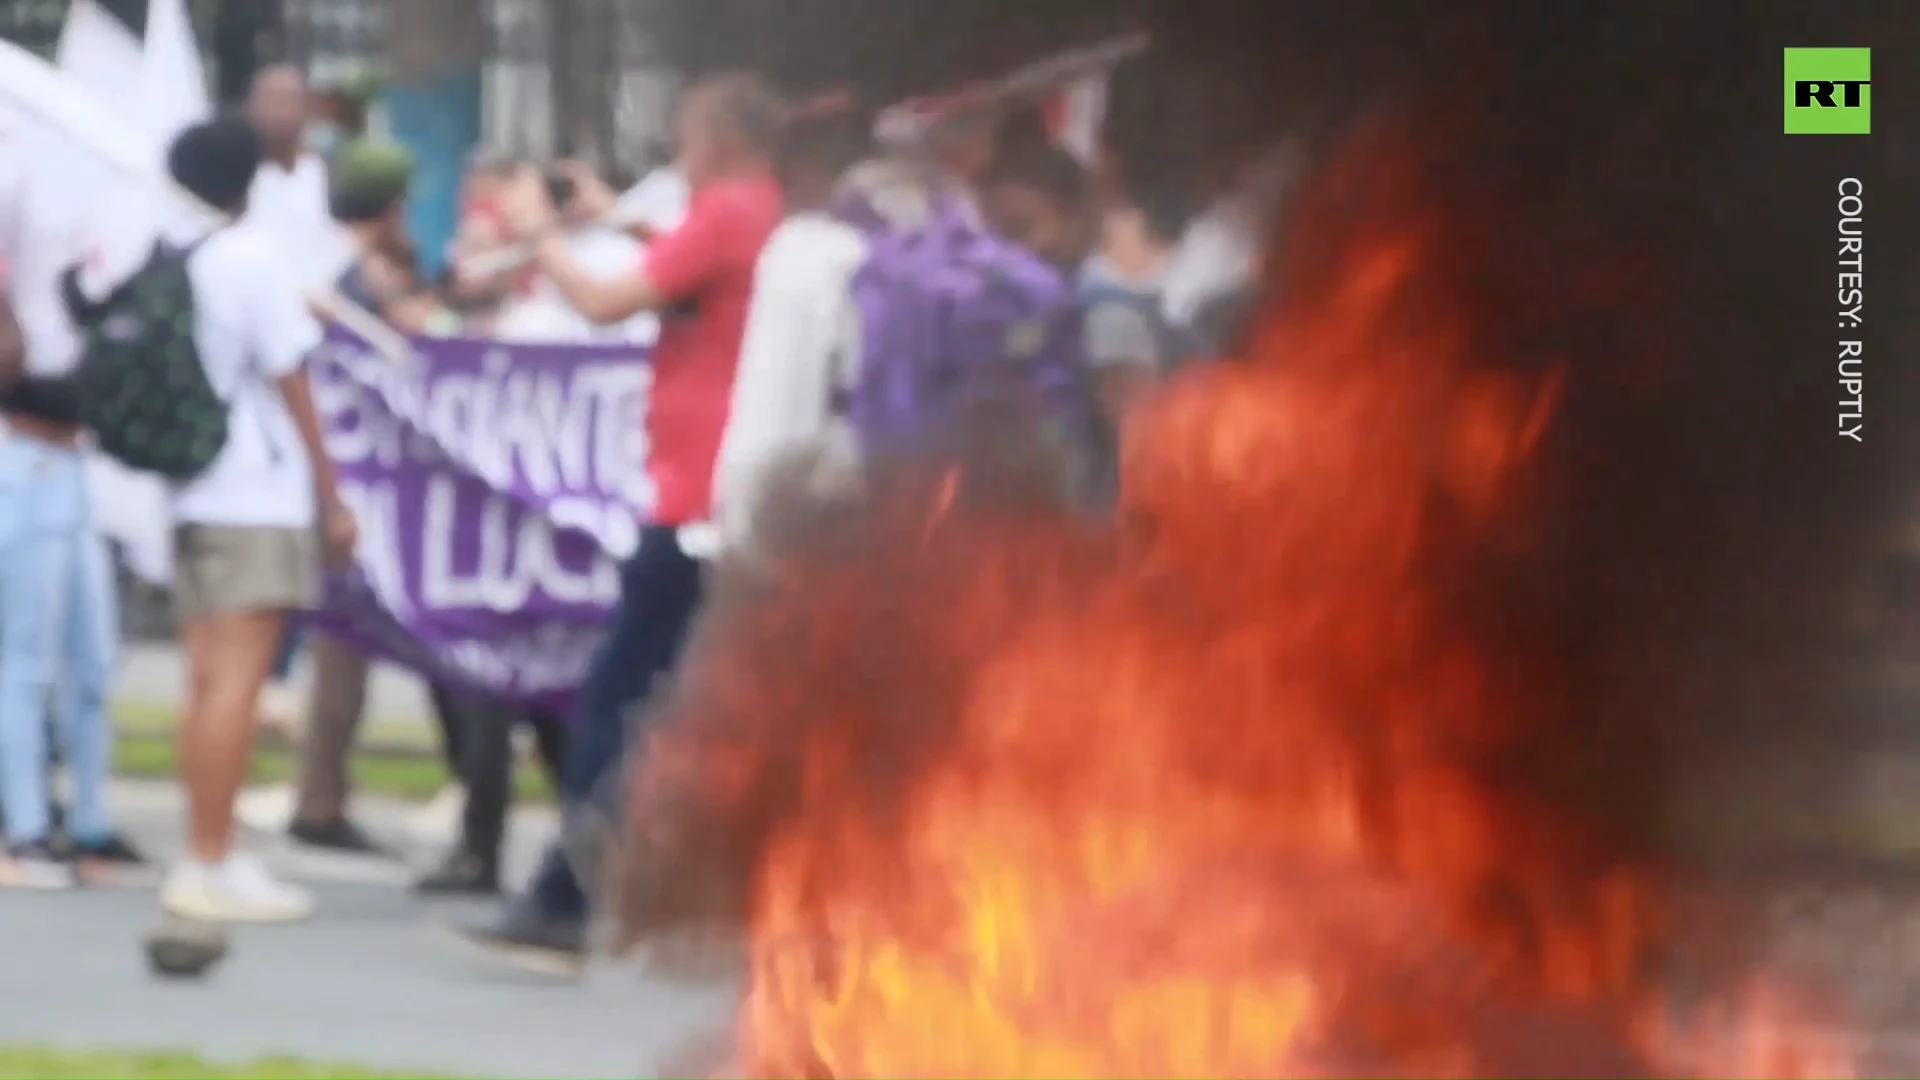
(1071, 88)
(1075, 114)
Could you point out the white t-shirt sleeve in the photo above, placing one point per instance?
(798, 326)
(282, 328)
(13, 195)
(659, 201)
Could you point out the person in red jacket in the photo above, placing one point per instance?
(699, 279)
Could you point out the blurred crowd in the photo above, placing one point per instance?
(733, 258)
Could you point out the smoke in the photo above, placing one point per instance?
(1611, 200)
(1624, 203)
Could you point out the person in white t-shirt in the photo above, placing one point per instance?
(287, 201)
(251, 531)
(654, 206)
(802, 335)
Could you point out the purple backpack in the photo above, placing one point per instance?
(951, 316)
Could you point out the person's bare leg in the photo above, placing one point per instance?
(229, 657)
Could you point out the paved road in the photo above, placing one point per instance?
(369, 981)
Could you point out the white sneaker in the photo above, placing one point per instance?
(239, 890)
(283, 709)
(266, 809)
(437, 824)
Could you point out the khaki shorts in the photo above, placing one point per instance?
(230, 569)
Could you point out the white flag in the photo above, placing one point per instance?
(157, 75)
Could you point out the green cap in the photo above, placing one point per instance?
(367, 177)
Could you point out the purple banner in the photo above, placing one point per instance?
(497, 488)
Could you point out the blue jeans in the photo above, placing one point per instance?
(58, 635)
(659, 593)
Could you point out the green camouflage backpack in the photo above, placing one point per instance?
(140, 386)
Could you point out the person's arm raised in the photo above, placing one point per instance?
(602, 300)
(677, 266)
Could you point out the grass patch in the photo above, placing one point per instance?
(390, 736)
(146, 755)
(37, 1063)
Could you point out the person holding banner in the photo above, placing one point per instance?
(699, 276)
(367, 196)
(251, 531)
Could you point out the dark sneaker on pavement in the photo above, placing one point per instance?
(114, 849)
(35, 865)
(462, 874)
(339, 836)
(531, 940)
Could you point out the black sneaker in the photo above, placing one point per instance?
(531, 940)
(113, 850)
(35, 865)
(339, 836)
(463, 874)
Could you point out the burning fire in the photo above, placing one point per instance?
(1240, 790)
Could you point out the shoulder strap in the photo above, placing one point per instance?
(86, 311)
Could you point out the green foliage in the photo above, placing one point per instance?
(392, 760)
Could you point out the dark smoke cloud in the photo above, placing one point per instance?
(1623, 204)
(1629, 206)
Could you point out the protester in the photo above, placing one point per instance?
(700, 276)
(541, 313)
(478, 301)
(481, 231)
(802, 333)
(365, 194)
(252, 530)
(58, 624)
(479, 733)
(288, 199)
(1129, 341)
(336, 117)
(965, 145)
(288, 203)
(1038, 196)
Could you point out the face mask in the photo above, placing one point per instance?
(322, 139)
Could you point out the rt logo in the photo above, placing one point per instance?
(1829, 92)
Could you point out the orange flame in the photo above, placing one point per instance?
(1222, 796)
